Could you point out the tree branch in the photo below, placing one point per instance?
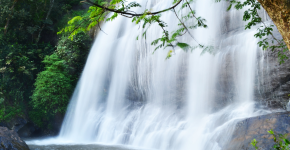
(47, 15)
(185, 27)
(127, 13)
(191, 9)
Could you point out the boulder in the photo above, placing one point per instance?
(257, 128)
(10, 140)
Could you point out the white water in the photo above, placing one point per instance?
(177, 100)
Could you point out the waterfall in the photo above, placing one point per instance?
(128, 95)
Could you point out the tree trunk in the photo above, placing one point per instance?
(8, 20)
(47, 15)
(279, 12)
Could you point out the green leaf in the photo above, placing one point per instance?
(184, 46)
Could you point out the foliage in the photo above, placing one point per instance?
(281, 141)
(19, 64)
(264, 31)
(54, 85)
(100, 9)
(85, 22)
(28, 36)
(74, 53)
(6, 113)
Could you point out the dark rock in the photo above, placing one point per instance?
(3, 124)
(14, 123)
(17, 123)
(29, 130)
(57, 122)
(257, 128)
(10, 140)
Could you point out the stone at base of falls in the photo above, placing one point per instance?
(257, 128)
(9, 140)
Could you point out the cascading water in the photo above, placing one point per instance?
(127, 95)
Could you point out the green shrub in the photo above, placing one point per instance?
(8, 112)
(54, 86)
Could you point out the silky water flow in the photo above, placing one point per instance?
(127, 95)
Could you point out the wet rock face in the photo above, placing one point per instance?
(257, 128)
(272, 85)
(272, 79)
(9, 140)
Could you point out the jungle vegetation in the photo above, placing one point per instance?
(38, 68)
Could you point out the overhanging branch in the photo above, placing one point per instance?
(128, 13)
